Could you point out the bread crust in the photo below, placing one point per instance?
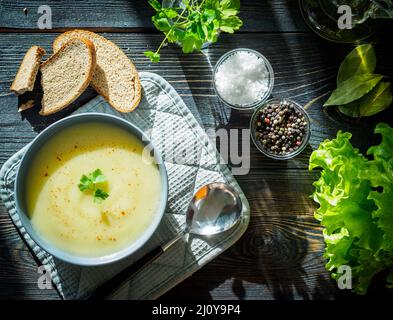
(40, 53)
(137, 82)
(89, 75)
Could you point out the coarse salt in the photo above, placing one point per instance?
(242, 78)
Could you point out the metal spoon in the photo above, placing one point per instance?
(215, 208)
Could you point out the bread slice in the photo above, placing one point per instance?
(66, 74)
(116, 77)
(25, 77)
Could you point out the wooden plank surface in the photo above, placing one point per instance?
(280, 255)
(263, 16)
(305, 68)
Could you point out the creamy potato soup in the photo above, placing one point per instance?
(71, 219)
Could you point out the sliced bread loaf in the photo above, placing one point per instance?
(116, 77)
(66, 74)
(25, 77)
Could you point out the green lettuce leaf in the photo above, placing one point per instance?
(355, 197)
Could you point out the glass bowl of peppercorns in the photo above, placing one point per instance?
(280, 128)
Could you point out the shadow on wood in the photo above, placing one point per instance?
(38, 122)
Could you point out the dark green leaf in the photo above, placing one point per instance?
(100, 195)
(155, 4)
(191, 43)
(212, 33)
(229, 12)
(230, 24)
(194, 16)
(179, 34)
(170, 13)
(198, 45)
(227, 29)
(188, 44)
(97, 177)
(153, 56)
(353, 89)
(375, 101)
(208, 15)
(161, 23)
(201, 31)
(230, 4)
(192, 30)
(212, 4)
(205, 31)
(84, 183)
(216, 24)
(360, 60)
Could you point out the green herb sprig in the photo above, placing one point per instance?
(360, 92)
(91, 182)
(194, 23)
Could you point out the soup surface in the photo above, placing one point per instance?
(71, 219)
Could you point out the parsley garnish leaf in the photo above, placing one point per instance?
(90, 182)
(97, 177)
(100, 195)
(85, 183)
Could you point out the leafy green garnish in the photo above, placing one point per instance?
(153, 56)
(360, 92)
(100, 195)
(355, 206)
(91, 182)
(194, 23)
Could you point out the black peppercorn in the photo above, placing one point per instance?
(280, 128)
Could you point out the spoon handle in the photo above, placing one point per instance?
(111, 285)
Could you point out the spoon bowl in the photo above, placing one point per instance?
(215, 208)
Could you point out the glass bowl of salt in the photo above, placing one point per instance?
(243, 78)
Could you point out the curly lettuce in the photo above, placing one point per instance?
(355, 197)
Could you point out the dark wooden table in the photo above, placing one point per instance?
(280, 255)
